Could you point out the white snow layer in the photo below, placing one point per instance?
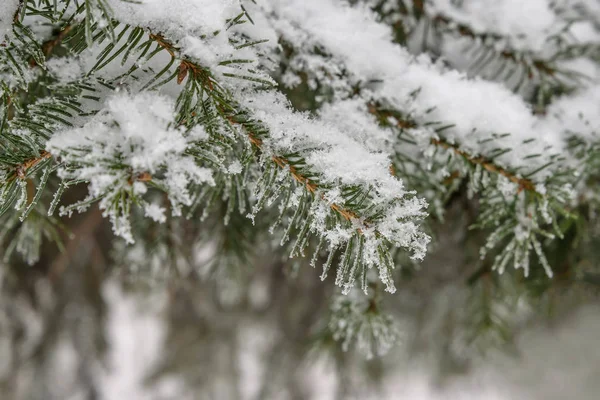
(8, 8)
(476, 108)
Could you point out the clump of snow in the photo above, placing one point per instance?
(156, 212)
(349, 115)
(208, 52)
(8, 8)
(132, 138)
(235, 168)
(527, 24)
(177, 17)
(336, 156)
(576, 115)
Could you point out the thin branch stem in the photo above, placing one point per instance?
(407, 123)
(523, 183)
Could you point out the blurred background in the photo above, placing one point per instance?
(188, 318)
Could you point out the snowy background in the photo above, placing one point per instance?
(558, 362)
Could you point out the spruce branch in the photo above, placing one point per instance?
(236, 115)
(199, 83)
(404, 124)
(156, 112)
(522, 183)
(531, 63)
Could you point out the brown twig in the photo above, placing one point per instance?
(407, 123)
(523, 183)
(48, 46)
(21, 170)
(185, 66)
(19, 8)
(139, 177)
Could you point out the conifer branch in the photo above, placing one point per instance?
(531, 64)
(522, 183)
(403, 123)
(538, 75)
(355, 257)
(282, 162)
(156, 112)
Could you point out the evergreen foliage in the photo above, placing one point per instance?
(342, 132)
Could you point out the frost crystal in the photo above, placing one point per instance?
(358, 321)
